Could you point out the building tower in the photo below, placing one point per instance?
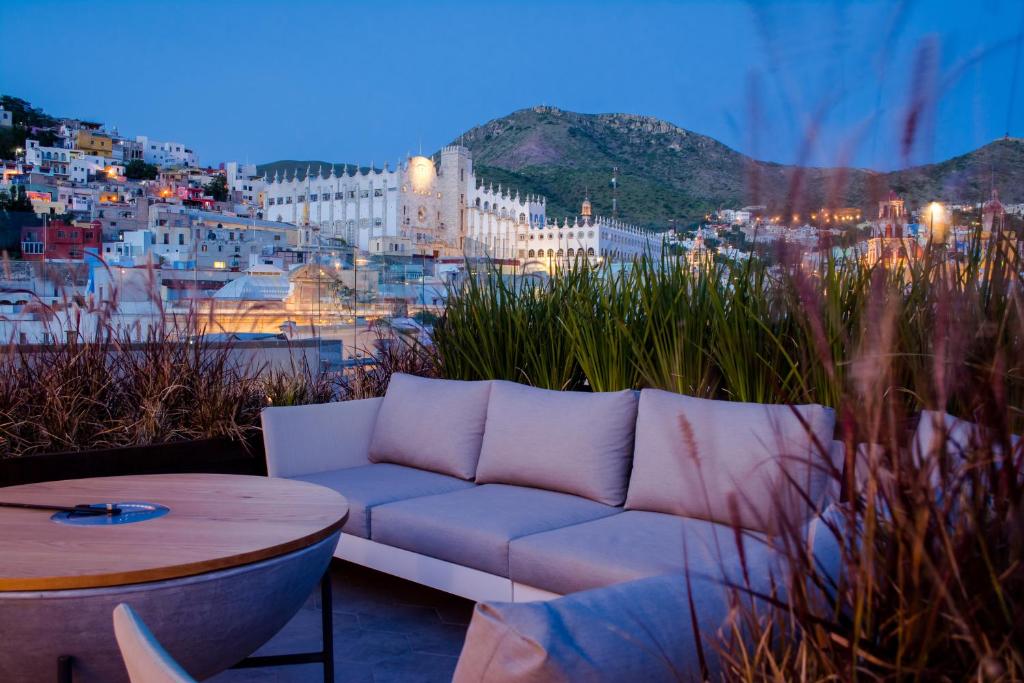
(586, 210)
(993, 215)
(892, 217)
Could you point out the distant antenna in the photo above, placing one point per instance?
(615, 192)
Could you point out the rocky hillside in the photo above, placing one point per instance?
(669, 174)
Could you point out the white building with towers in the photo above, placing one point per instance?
(439, 210)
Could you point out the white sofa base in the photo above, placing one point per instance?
(429, 571)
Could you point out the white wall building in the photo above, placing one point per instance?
(165, 154)
(595, 238)
(441, 210)
(242, 179)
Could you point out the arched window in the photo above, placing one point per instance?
(561, 253)
(478, 202)
(532, 253)
(590, 252)
(551, 252)
(571, 253)
(522, 218)
(487, 206)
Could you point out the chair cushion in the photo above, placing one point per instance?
(431, 424)
(473, 527)
(635, 631)
(369, 485)
(629, 546)
(736, 463)
(569, 441)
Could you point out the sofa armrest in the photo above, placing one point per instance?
(318, 438)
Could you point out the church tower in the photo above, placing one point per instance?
(993, 215)
(586, 210)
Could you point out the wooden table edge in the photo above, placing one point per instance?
(168, 572)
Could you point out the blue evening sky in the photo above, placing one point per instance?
(827, 82)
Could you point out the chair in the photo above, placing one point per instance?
(146, 660)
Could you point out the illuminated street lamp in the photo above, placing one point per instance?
(936, 213)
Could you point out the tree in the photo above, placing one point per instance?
(218, 188)
(16, 201)
(137, 169)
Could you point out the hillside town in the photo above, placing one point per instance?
(100, 221)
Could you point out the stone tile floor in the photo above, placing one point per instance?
(385, 630)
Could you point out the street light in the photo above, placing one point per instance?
(935, 212)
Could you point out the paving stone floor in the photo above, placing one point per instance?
(385, 630)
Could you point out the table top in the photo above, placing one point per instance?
(216, 521)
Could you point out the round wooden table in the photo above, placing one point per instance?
(214, 578)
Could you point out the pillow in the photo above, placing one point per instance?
(635, 631)
(734, 463)
(569, 441)
(431, 424)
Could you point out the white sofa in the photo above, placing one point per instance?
(499, 492)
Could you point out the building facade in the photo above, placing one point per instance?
(59, 241)
(441, 210)
(166, 154)
(418, 208)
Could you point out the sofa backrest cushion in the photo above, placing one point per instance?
(568, 441)
(756, 465)
(432, 424)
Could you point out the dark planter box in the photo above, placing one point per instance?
(220, 456)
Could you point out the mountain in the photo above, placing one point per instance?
(667, 173)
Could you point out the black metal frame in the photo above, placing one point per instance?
(325, 656)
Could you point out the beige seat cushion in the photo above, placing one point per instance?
(633, 545)
(473, 527)
(370, 485)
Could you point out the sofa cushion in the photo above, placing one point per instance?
(369, 485)
(635, 631)
(632, 545)
(473, 527)
(569, 441)
(432, 424)
(746, 463)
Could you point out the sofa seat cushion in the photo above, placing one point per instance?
(473, 527)
(370, 485)
(569, 441)
(628, 546)
(431, 424)
(764, 467)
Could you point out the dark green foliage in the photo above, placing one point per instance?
(138, 169)
(25, 117)
(747, 331)
(218, 188)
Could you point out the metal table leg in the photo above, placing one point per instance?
(326, 654)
